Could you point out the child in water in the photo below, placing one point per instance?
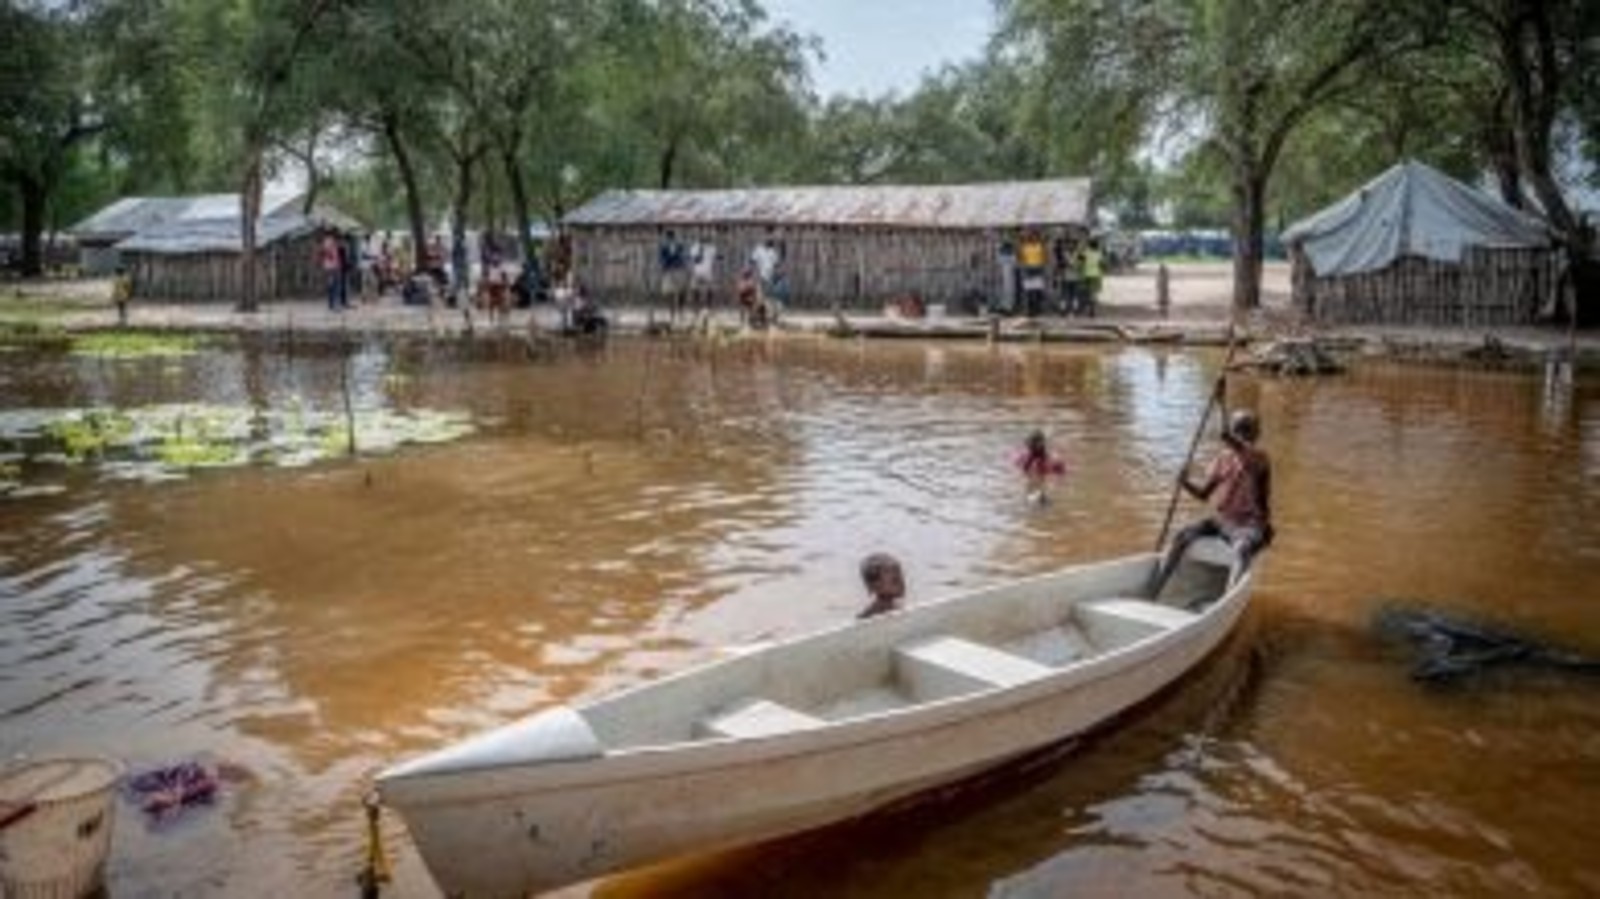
(885, 583)
(1038, 465)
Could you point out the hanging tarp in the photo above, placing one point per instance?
(1410, 210)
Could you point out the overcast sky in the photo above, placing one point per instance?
(874, 46)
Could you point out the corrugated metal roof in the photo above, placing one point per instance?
(1006, 204)
(128, 215)
(221, 234)
(131, 215)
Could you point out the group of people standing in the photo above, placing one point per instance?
(1033, 268)
(687, 276)
(352, 265)
(1038, 274)
(339, 259)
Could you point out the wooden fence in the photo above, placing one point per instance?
(1488, 288)
(285, 270)
(825, 266)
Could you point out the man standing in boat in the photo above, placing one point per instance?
(885, 582)
(1240, 478)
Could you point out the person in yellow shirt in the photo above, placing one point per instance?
(1092, 269)
(1031, 259)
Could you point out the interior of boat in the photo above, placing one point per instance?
(988, 639)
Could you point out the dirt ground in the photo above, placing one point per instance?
(1201, 298)
(1200, 291)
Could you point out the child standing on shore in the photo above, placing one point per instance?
(121, 292)
(1038, 465)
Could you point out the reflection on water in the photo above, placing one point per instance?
(626, 511)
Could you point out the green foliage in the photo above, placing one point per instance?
(90, 434)
(511, 109)
(160, 442)
(971, 122)
(196, 442)
(134, 344)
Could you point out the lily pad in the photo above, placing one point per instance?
(162, 442)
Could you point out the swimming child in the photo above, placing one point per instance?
(885, 583)
(1038, 466)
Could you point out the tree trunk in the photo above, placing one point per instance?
(249, 212)
(408, 178)
(1527, 49)
(313, 185)
(1585, 288)
(1249, 220)
(669, 158)
(1500, 146)
(1508, 177)
(519, 200)
(35, 196)
(458, 219)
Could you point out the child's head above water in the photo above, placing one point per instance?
(882, 576)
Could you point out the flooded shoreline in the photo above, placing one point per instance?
(627, 509)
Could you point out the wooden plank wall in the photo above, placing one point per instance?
(285, 270)
(851, 267)
(1489, 288)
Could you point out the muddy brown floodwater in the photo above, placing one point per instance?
(624, 512)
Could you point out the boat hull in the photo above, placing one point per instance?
(512, 830)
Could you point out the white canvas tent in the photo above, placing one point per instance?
(1410, 210)
(1414, 245)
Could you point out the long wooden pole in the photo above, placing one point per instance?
(1217, 389)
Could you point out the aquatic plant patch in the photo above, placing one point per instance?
(161, 443)
(31, 333)
(134, 345)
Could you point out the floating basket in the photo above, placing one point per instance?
(59, 834)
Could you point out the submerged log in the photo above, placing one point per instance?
(1450, 648)
(1493, 349)
(1295, 357)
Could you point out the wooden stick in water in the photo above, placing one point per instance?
(1217, 389)
(11, 813)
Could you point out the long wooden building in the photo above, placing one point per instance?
(842, 247)
(1415, 246)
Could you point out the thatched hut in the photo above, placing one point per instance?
(198, 255)
(1415, 246)
(848, 247)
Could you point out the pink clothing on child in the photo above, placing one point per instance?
(1038, 466)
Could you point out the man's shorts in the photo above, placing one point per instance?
(673, 281)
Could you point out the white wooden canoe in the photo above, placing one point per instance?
(808, 731)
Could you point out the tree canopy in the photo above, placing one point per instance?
(1244, 113)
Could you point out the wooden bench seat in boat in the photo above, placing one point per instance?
(1053, 646)
(1110, 623)
(757, 718)
(945, 666)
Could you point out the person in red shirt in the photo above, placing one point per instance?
(1239, 484)
(748, 292)
(1038, 465)
(330, 260)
